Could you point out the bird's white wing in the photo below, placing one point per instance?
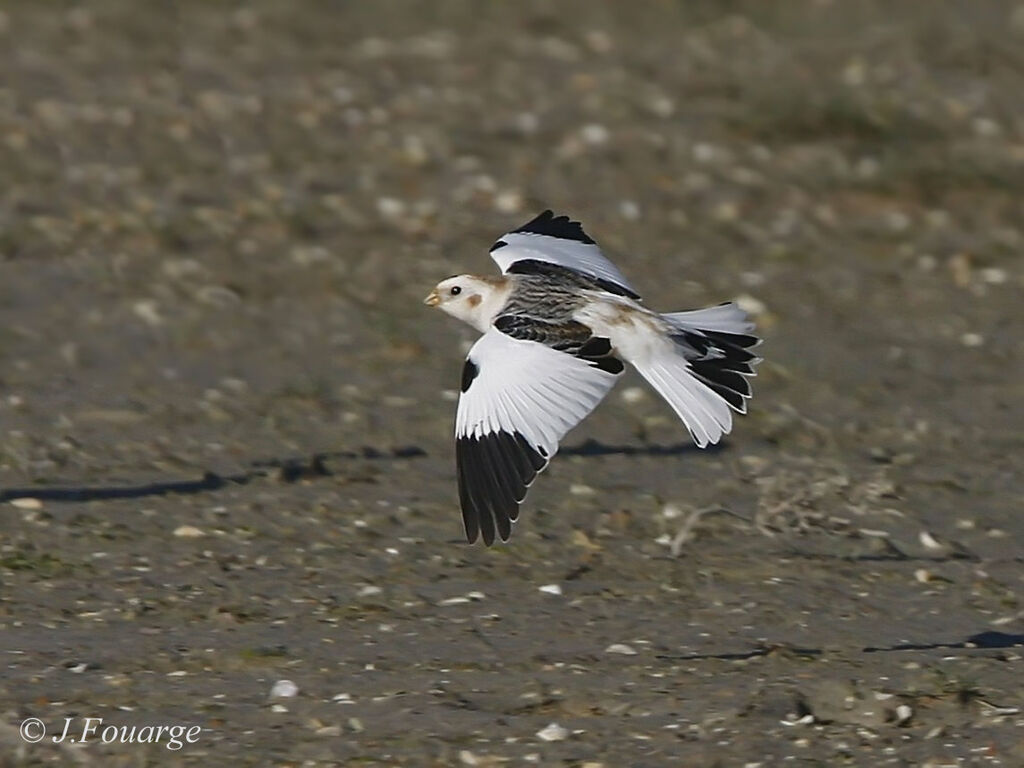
(518, 399)
(550, 239)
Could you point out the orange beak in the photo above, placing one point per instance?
(433, 299)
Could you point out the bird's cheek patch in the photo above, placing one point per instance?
(474, 300)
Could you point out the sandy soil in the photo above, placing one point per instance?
(225, 416)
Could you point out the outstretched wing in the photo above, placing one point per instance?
(518, 399)
(550, 239)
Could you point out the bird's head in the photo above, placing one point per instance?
(472, 299)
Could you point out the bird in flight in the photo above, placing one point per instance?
(558, 325)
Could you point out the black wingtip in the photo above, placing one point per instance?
(494, 471)
(546, 223)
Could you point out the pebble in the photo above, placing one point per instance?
(188, 532)
(551, 589)
(579, 489)
(390, 207)
(553, 732)
(594, 134)
(27, 502)
(994, 275)
(633, 395)
(284, 689)
(972, 339)
(671, 512)
(928, 541)
(508, 202)
(621, 648)
(903, 714)
(750, 305)
(629, 210)
(148, 311)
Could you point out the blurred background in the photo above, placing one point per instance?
(225, 415)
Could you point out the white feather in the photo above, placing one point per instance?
(580, 257)
(526, 387)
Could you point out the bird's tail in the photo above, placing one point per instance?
(703, 368)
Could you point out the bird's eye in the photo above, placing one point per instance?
(455, 291)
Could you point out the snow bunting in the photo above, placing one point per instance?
(558, 324)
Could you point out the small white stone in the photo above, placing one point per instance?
(752, 279)
(928, 541)
(705, 153)
(508, 202)
(188, 532)
(903, 713)
(671, 512)
(923, 575)
(284, 689)
(633, 395)
(368, 591)
(553, 732)
(551, 589)
(279, 708)
(579, 489)
(749, 304)
(595, 134)
(147, 310)
(527, 122)
(390, 207)
(662, 106)
(621, 649)
(868, 167)
(629, 210)
(454, 601)
(986, 127)
(897, 221)
(27, 502)
(994, 275)
(972, 339)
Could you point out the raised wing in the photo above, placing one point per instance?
(518, 399)
(550, 239)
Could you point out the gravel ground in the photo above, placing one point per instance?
(225, 416)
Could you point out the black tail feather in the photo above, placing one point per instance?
(721, 361)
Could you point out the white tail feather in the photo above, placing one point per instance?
(704, 413)
(725, 318)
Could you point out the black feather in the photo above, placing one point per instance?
(561, 227)
(494, 471)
